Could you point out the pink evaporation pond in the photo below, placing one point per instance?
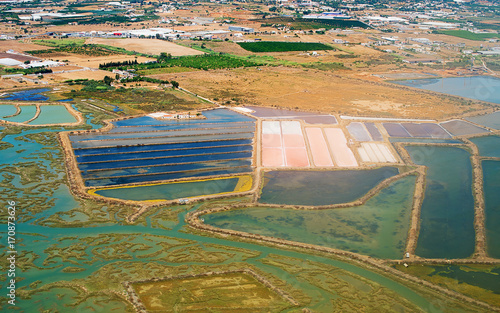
(319, 148)
(341, 153)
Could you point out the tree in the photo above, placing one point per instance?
(107, 80)
(174, 84)
(117, 76)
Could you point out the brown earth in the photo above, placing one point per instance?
(149, 46)
(315, 90)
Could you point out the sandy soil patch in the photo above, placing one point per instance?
(149, 46)
(21, 46)
(88, 74)
(312, 90)
(93, 62)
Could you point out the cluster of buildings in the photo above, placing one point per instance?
(158, 33)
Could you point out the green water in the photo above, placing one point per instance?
(27, 113)
(321, 187)
(489, 146)
(6, 110)
(53, 114)
(108, 250)
(171, 191)
(447, 213)
(470, 275)
(491, 178)
(378, 228)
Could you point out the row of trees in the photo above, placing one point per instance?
(117, 64)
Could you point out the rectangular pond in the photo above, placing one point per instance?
(171, 191)
(166, 176)
(447, 213)
(491, 179)
(489, 146)
(53, 114)
(321, 187)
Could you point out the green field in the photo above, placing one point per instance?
(203, 62)
(302, 23)
(468, 35)
(282, 46)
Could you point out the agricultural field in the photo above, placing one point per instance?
(469, 35)
(203, 62)
(305, 24)
(281, 46)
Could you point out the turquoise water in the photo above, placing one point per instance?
(6, 110)
(491, 177)
(484, 88)
(447, 213)
(27, 113)
(171, 191)
(489, 146)
(38, 241)
(378, 228)
(490, 120)
(53, 114)
(321, 187)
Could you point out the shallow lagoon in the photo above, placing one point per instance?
(378, 228)
(125, 250)
(484, 88)
(321, 187)
(447, 213)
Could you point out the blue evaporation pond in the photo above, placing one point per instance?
(321, 187)
(484, 88)
(171, 146)
(489, 146)
(161, 153)
(150, 150)
(28, 95)
(160, 177)
(489, 120)
(53, 114)
(143, 162)
(166, 169)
